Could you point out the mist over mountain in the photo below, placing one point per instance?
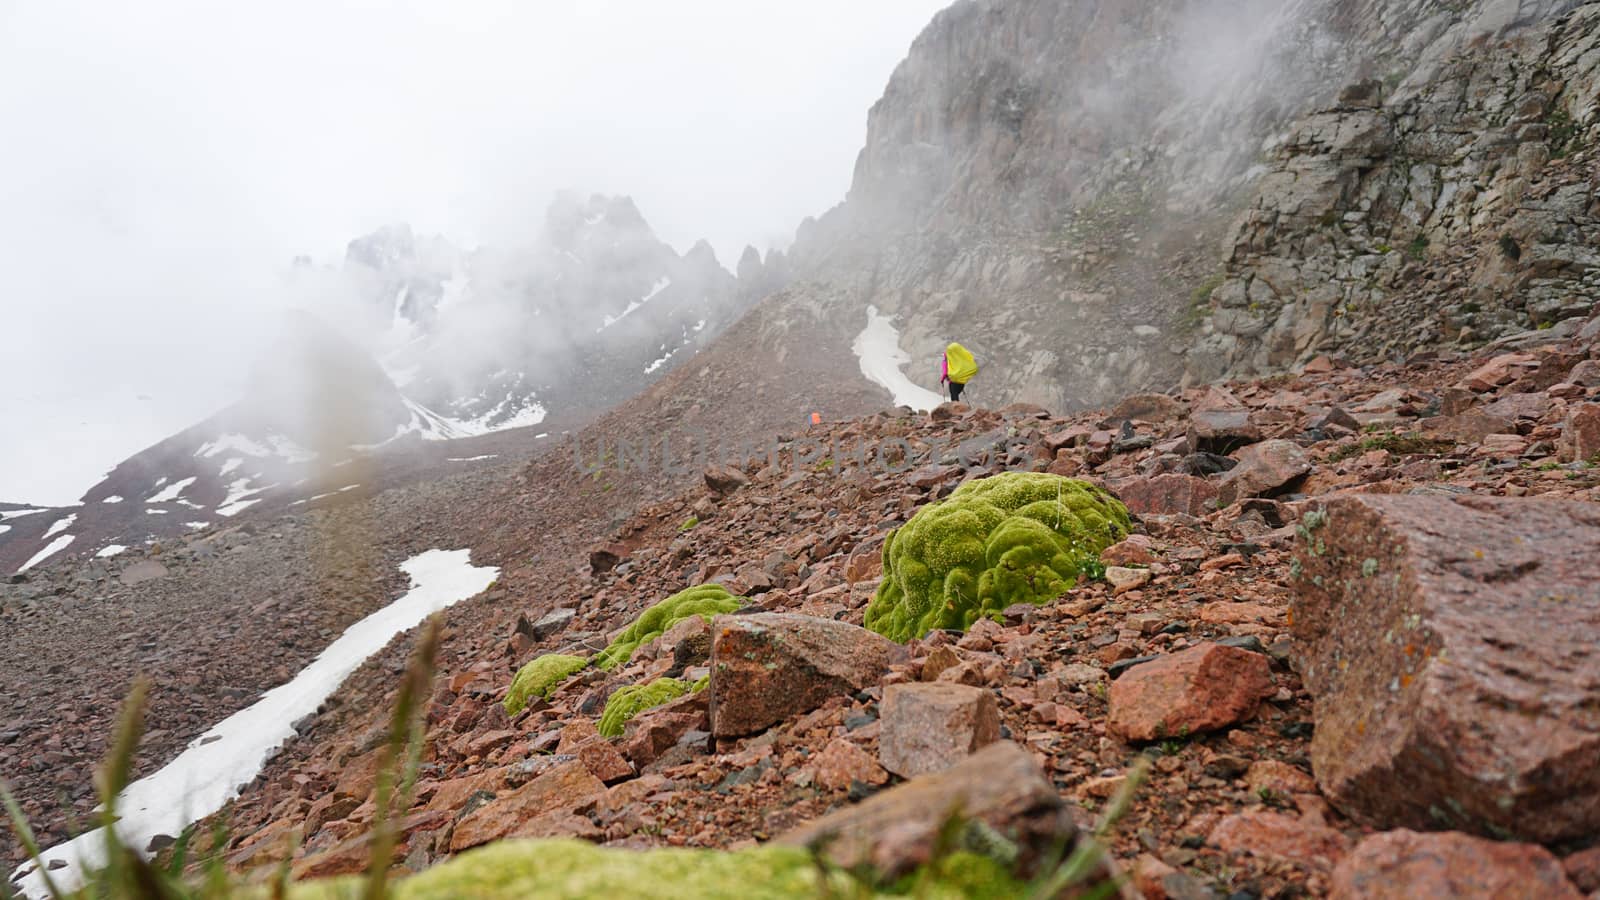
(1263, 527)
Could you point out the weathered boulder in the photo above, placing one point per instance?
(724, 479)
(1165, 495)
(1000, 785)
(1155, 408)
(1399, 865)
(769, 666)
(1263, 469)
(1580, 441)
(564, 789)
(931, 727)
(1205, 687)
(606, 557)
(1221, 430)
(842, 763)
(1276, 836)
(1448, 643)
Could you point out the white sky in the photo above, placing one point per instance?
(160, 160)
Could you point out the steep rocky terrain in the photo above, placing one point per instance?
(1403, 195)
(1244, 794)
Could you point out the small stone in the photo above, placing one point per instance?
(1398, 865)
(842, 762)
(1123, 580)
(931, 727)
(1273, 835)
(1203, 688)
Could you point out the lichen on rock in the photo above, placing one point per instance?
(540, 678)
(562, 869)
(628, 702)
(1020, 537)
(705, 601)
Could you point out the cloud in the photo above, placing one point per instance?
(164, 160)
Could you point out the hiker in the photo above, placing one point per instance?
(958, 368)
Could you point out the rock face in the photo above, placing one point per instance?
(1167, 494)
(1399, 865)
(1001, 786)
(1400, 175)
(555, 793)
(931, 727)
(1263, 469)
(769, 666)
(1202, 688)
(1449, 645)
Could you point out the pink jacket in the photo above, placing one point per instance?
(944, 370)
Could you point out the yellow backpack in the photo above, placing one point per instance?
(963, 367)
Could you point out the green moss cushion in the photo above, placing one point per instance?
(575, 870)
(540, 678)
(1020, 537)
(628, 702)
(706, 601)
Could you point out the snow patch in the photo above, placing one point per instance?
(236, 501)
(155, 512)
(197, 525)
(4, 528)
(471, 458)
(14, 513)
(878, 349)
(171, 491)
(110, 550)
(114, 498)
(233, 462)
(276, 445)
(54, 547)
(60, 525)
(210, 772)
(609, 321)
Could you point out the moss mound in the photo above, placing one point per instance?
(706, 600)
(1021, 537)
(628, 702)
(575, 870)
(540, 678)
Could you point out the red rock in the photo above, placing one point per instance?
(1583, 869)
(938, 661)
(1123, 580)
(1273, 835)
(842, 762)
(1468, 427)
(653, 733)
(1320, 365)
(931, 727)
(1580, 441)
(1167, 494)
(1399, 865)
(354, 855)
(932, 475)
(865, 563)
(581, 739)
(1238, 613)
(1203, 688)
(769, 666)
(1135, 551)
(1153, 408)
(1279, 778)
(566, 788)
(1585, 374)
(1221, 430)
(1448, 643)
(724, 479)
(896, 830)
(357, 776)
(1565, 390)
(1068, 437)
(1501, 370)
(1263, 469)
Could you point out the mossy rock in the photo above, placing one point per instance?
(706, 601)
(1021, 537)
(628, 702)
(562, 869)
(540, 678)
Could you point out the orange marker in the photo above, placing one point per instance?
(816, 418)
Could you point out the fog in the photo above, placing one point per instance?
(163, 162)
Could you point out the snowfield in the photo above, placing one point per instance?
(210, 772)
(51, 549)
(878, 349)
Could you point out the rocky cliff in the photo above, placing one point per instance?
(1102, 196)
